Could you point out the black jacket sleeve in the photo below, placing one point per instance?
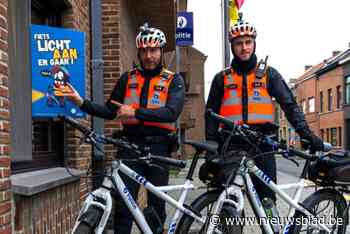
(173, 108)
(214, 102)
(108, 111)
(278, 89)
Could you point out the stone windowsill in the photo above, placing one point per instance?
(31, 183)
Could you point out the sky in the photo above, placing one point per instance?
(293, 33)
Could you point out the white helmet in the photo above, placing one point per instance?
(242, 28)
(150, 37)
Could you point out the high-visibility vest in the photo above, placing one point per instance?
(260, 105)
(157, 96)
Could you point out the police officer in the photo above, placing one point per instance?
(243, 93)
(152, 99)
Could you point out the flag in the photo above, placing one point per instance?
(233, 12)
(239, 3)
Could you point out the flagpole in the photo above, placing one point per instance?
(226, 28)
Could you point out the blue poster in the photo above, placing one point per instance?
(184, 29)
(58, 60)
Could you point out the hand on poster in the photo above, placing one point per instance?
(69, 91)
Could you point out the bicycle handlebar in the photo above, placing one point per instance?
(245, 128)
(99, 138)
(169, 161)
(220, 119)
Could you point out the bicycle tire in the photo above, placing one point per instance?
(207, 200)
(83, 228)
(314, 200)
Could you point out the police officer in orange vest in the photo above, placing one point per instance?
(243, 93)
(152, 99)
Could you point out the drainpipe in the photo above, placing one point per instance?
(225, 29)
(177, 59)
(97, 74)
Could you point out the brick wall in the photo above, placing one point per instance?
(335, 117)
(128, 32)
(195, 95)
(111, 57)
(53, 211)
(304, 91)
(5, 171)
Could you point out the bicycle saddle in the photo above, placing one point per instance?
(209, 146)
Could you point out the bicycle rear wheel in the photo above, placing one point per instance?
(329, 206)
(204, 205)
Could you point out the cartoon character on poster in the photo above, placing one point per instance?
(60, 80)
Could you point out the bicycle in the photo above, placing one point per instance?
(232, 195)
(96, 209)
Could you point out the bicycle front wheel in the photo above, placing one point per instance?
(329, 206)
(204, 205)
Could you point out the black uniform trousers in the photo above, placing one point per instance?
(157, 175)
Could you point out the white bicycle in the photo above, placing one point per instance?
(97, 207)
(210, 204)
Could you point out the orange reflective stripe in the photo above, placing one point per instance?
(261, 109)
(169, 126)
(231, 110)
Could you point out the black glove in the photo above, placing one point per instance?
(316, 144)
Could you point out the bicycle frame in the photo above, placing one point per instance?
(243, 179)
(115, 181)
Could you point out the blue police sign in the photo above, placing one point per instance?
(184, 29)
(58, 60)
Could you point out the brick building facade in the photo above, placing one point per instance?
(192, 70)
(322, 93)
(37, 195)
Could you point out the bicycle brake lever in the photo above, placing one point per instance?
(294, 161)
(285, 155)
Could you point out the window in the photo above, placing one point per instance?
(322, 134)
(311, 104)
(340, 137)
(333, 136)
(328, 139)
(338, 96)
(347, 89)
(329, 99)
(321, 101)
(36, 143)
(303, 106)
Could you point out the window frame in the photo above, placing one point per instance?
(321, 101)
(309, 106)
(339, 96)
(329, 99)
(27, 158)
(347, 89)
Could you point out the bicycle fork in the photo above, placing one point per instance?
(96, 208)
(226, 197)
